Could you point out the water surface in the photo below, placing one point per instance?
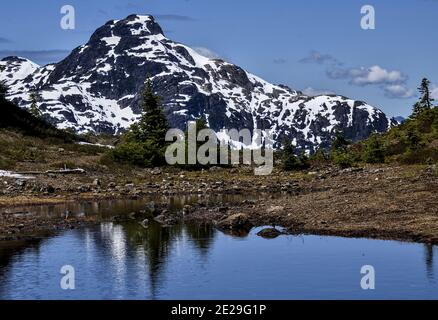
(126, 261)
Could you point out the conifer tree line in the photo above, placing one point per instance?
(144, 142)
(410, 142)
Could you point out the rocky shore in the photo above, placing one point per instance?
(385, 202)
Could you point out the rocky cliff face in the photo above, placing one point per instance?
(98, 88)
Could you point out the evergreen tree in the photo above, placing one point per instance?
(34, 110)
(426, 99)
(416, 109)
(153, 124)
(339, 153)
(289, 159)
(340, 143)
(374, 150)
(145, 142)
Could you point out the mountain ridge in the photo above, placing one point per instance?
(98, 88)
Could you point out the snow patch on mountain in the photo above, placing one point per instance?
(98, 88)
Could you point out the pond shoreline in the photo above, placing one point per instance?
(391, 203)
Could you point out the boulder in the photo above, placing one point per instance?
(270, 233)
(235, 222)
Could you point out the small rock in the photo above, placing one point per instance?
(235, 222)
(275, 209)
(145, 223)
(160, 219)
(96, 183)
(432, 169)
(156, 172)
(270, 233)
(84, 189)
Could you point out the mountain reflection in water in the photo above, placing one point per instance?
(186, 261)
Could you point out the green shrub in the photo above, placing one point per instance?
(340, 143)
(320, 156)
(138, 153)
(413, 142)
(342, 159)
(290, 161)
(374, 152)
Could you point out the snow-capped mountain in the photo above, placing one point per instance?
(98, 88)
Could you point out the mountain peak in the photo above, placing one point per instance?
(136, 25)
(98, 88)
(132, 26)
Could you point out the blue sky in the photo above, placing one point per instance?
(309, 45)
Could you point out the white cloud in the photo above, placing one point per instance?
(309, 91)
(207, 52)
(397, 91)
(393, 83)
(376, 75)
